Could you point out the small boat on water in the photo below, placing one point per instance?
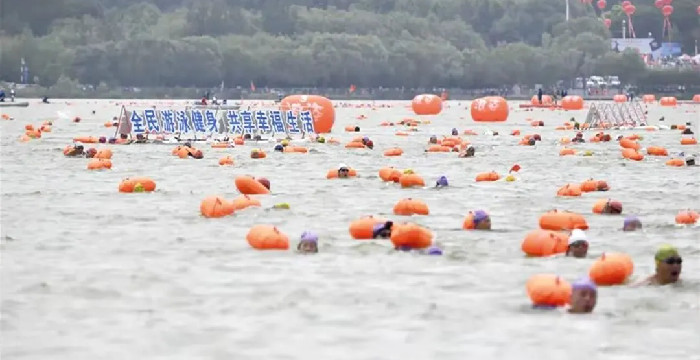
(14, 104)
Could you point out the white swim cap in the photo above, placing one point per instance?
(577, 235)
(342, 166)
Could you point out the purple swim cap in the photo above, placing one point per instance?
(480, 215)
(434, 250)
(441, 181)
(584, 284)
(632, 220)
(103, 140)
(112, 140)
(377, 229)
(365, 138)
(309, 236)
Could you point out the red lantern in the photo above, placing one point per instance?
(630, 10)
(659, 4)
(667, 10)
(667, 2)
(698, 9)
(626, 4)
(602, 4)
(607, 23)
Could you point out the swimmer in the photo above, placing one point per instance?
(631, 223)
(320, 140)
(690, 160)
(441, 181)
(578, 244)
(482, 220)
(284, 142)
(357, 129)
(687, 131)
(668, 267)
(455, 132)
(279, 147)
(343, 171)
(612, 207)
(584, 294)
(102, 140)
(382, 230)
(75, 151)
(578, 138)
(90, 153)
(433, 139)
(468, 152)
(531, 142)
(308, 243)
(197, 154)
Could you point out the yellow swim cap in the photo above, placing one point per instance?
(408, 171)
(284, 142)
(138, 187)
(321, 139)
(281, 206)
(510, 178)
(665, 251)
(588, 153)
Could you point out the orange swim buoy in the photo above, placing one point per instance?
(611, 269)
(220, 145)
(439, 148)
(363, 228)
(355, 145)
(215, 207)
(267, 237)
(488, 176)
(103, 154)
(247, 185)
(629, 144)
(333, 173)
(572, 102)
(562, 220)
(296, 149)
(257, 154)
(590, 185)
(689, 141)
(243, 202)
(137, 184)
(540, 243)
(226, 160)
(657, 151)
(393, 152)
(567, 151)
(632, 154)
(675, 162)
(569, 190)
(687, 217)
(411, 206)
(548, 290)
(389, 174)
(86, 139)
(411, 235)
(411, 180)
(99, 164)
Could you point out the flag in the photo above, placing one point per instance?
(515, 168)
(252, 86)
(352, 88)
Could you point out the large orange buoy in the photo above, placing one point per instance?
(321, 109)
(426, 104)
(668, 101)
(649, 98)
(411, 236)
(544, 243)
(216, 207)
(546, 100)
(562, 220)
(267, 237)
(363, 227)
(548, 290)
(696, 98)
(572, 102)
(411, 207)
(247, 185)
(619, 98)
(611, 269)
(244, 201)
(489, 109)
(687, 217)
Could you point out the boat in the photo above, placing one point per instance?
(14, 104)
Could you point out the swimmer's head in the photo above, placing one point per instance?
(90, 153)
(321, 139)
(470, 150)
(246, 136)
(284, 142)
(433, 250)
(357, 129)
(578, 244)
(264, 182)
(584, 295)
(531, 142)
(279, 147)
(370, 144)
(668, 264)
(631, 223)
(308, 243)
(441, 181)
(79, 148)
(454, 131)
(382, 230)
(482, 220)
(612, 207)
(102, 140)
(433, 139)
(112, 140)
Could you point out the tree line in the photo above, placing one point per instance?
(325, 43)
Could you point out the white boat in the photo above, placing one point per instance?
(14, 104)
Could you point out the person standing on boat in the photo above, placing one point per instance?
(2, 95)
(12, 94)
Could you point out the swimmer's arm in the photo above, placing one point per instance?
(644, 282)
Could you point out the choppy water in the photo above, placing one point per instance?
(89, 273)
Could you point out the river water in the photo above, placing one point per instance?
(89, 273)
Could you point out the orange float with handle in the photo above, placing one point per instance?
(296, 149)
(220, 145)
(86, 139)
(333, 173)
(488, 176)
(611, 269)
(687, 217)
(215, 207)
(438, 148)
(105, 154)
(355, 145)
(689, 141)
(570, 190)
(363, 228)
(226, 160)
(137, 184)
(548, 290)
(411, 180)
(632, 154)
(562, 220)
(267, 237)
(244, 201)
(389, 174)
(247, 185)
(411, 206)
(675, 162)
(99, 164)
(393, 152)
(657, 151)
(539, 243)
(408, 235)
(567, 151)
(629, 144)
